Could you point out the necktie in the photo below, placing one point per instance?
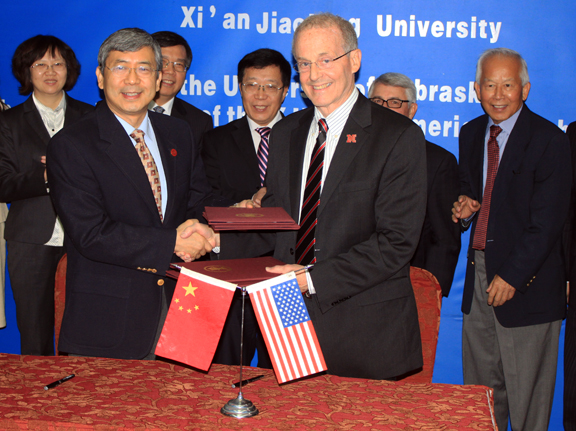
(150, 167)
(305, 238)
(263, 152)
(158, 109)
(493, 160)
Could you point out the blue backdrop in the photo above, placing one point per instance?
(436, 43)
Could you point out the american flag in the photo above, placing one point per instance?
(287, 328)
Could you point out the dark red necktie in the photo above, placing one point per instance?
(306, 239)
(493, 159)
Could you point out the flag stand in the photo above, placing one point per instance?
(240, 407)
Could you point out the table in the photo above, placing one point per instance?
(119, 395)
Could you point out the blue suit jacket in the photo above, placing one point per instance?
(527, 213)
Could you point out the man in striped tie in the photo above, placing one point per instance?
(354, 175)
(515, 177)
(236, 158)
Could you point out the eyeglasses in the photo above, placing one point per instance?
(324, 63)
(122, 71)
(390, 103)
(178, 67)
(254, 87)
(43, 67)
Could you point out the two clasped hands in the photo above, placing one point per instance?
(499, 291)
(195, 239)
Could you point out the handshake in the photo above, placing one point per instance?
(194, 240)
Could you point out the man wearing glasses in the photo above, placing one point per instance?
(125, 180)
(236, 156)
(439, 243)
(354, 175)
(176, 60)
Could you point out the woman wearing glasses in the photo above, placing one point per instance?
(46, 67)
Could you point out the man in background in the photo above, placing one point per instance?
(439, 243)
(235, 157)
(515, 191)
(176, 60)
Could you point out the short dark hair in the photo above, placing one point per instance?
(32, 50)
(169, 38)
(129, 40)
(262, 58)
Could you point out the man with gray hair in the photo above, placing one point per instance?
(439, 243)
(354, 175)
(126, 182)
(515, 190)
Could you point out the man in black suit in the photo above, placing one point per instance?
(570, 338)
(515, 183)
(369, 165)
(176, 60)
(235, 156)
(439, 243)
(124, 180)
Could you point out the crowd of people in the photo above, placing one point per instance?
(121, 187)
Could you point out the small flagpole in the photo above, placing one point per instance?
(240, 407)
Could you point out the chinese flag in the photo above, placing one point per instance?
(195, 319)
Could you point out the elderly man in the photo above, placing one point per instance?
(516, 178)
(125, 180)
(176, 60)
(439, 243)
(235, 156)
(354, 175)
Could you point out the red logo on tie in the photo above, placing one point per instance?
(351, 139)
(173, 152)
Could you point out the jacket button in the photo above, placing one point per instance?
(292, 251)
(160, 282)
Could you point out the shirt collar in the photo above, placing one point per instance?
(167, 106)
(145, 126)
(41, 107)
(507, 125)
(253, 125)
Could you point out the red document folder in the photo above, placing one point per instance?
(243, 272)
(232, 218)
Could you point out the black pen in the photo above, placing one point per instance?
(58, 382)
(245, 382)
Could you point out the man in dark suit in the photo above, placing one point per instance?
(570, 338)
(439, 243)
(125, 180)
(235, 156)
(360, 234)
(515, 183)
(176, 60)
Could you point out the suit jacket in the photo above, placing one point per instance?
(369, 220)
(528, 209)
(118, 249)
(439, 243)
(570, 228)
(23, 141)
(230, 160)
(199, 121)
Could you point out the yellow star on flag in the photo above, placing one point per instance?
(196, 307)
(189, 311)
(180, 308)
(189, 289)
(176, 300)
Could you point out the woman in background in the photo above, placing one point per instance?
(46, 67)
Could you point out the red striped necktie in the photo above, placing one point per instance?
(493, 160)
(305, 240)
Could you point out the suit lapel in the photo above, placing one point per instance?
(359, 119)
(34, 120)
(72, 111)
(121, 151)
(298, 140)
(512, 158)
(178, 110)
(477, 161)
(165, 146)
(242, 137)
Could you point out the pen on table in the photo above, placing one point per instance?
(245, 382)
(58, 382)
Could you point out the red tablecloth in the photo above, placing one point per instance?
(109, 394)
